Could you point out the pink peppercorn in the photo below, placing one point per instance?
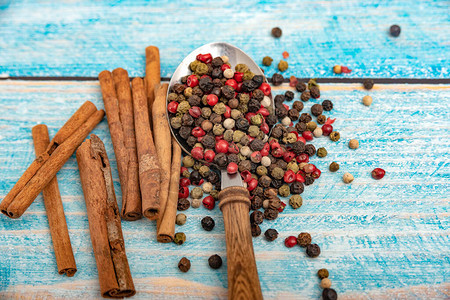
(264, 128)
(224, 67)
(290, 241)
(183, 192)
(204, 58)
(256, 157)
(192, 81)
(265, 87)
(197, 131)
(197, 153)
(233, 148)
(289, 176)
(208, 202)
(195, 111)
(252, 184)
(288, 156)
(222, 146)
(227, 113)
(232, 83)
(212, 99)
(307, 135)
(232, 168)
(299, 177)
(263, 111)
(282, 206)
(316, 173)
(327, 129)
(301, 139)
(278, 152)
(182, 170)
(302, 158)
(309, 168)
(172, 107)
(209, 155)
(246, 176)
(378, 173)
(238, 76)
(185, 182)
(265, 150)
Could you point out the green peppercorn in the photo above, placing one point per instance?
(283, 65)
(243, 108)
(244, 98)
(228, 135)
(172, 97)
(197, 165)
(179, 238)
(206, 112)
(188, 161)
(296, 201)
(236, 114)
(290, 138)
(188, 92)
(241, 68)
(196, 193)
(261, 170)
(220, 108)
(183, 107)
(322, 152)
(253, 131)
(312, 82)
(284, 190)
(175, 122)
(218, 129)
(248, 75)
(214, 194)
(267, 60)
(334, 166)
(257, 119)
(181, 219)
(277, 173)
(292, 166)
(204, 171)
(201, 69)
(335, 136)
(186, 173)
(193, 65)
(311, 126)
(238, 135)
(323, 273)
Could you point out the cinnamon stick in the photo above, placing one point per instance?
(149, 174)
(166, 229)
(152, 74)
(62, 247)
(119, 112)
(45, 167)
(104, 220)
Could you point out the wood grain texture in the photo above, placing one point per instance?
(83, 37)
(387, 237)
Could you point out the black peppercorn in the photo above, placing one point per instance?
(184, 79)
(305, 96)
(183, 204)
(256, 217)
(277, 132)
(315, 92)
(206, 84)
(289, 95)
(187, 120)
(208, 223)
(277, 79)
(313, 250)
(221, 160)
(309, 180)
(197, 91)
(271, 120)
(209, 142)
(270, 214)
(304, 239)
(329, 294)
(217, 83)
(276, 32)
(213, 177)
(184, 265)
(281, 112)
(242, 124)
(293, 114)
(316, 109)
(258, 94)
(300, 87)
(215, 261)
(298, 147)
(253, 105)
(258, 79)
(185, 132)
(194, 100)
(198, 121)
(191, 141)
(256, 230)
(368, 84)
(298, 105)
(216, 73)
(277, 183)
(249, 86)
(217, 62)
(253, 167)
(257, 145)
(195, 177)
(297, 188)
(244, 165)
(256, 202)
(228, 92)
(310, 149)
(217, 91)
(233, 158)
(265, 181)
(305, 118)
(271, 234)
(327, 105)
(179, 88)
(279, 99)
(300, 127)
(395, 30)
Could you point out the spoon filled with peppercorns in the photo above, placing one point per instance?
(221, 111)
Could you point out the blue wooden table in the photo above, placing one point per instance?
(379, 239)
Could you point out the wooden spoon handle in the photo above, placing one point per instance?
(243, 281)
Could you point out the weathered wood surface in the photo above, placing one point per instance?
(81, 38)
(379, 239)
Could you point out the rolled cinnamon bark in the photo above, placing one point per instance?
(149, 174)
(45, 167)
(104, 220)
(119, 112)
(152, 74)
(62, 247)
(166, 229)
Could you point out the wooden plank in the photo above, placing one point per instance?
(385, 238)
(81, 38)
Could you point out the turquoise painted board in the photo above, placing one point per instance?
(379, 239)
(81, 38)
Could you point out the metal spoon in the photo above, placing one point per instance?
(243, 280)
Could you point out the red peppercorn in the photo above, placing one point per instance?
(233, 148)
(172, 107)
(232, 83)
(378, 173)
(316, 173)
(195, 111)
(222, 146)
(303, 158)
(232, 168)
(197, 131)
(208, 202)
(209, 155)
(327, 129)
(238, 76)
(182, 170)
(264, 128)
(183, 192)
(288, 156)
(246, 176)
(278, 152)
(197, 153)
(252, 184)
(224, 67)
(212, 99)
(299, 177)
(265, 87)
(265, 150)
(307, 135)
(290, 241)
(282, 206)
(185, 182)
(289, 176)
(264, 112)
(239, 87)
(204, 58)
(301, 139)
(227, 113)
(192, 81)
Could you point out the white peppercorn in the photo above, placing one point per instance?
(225, 59)
(348, 178)
(367, 100)
(228, 123)
(207, 187)
(265, 161)
(246, 151)
(228, 73)
(286, 121)
(265, 101)
(325, 283)
(181, 219)
(196, 193)
(353, 144)
(196, 203)
(318, 132)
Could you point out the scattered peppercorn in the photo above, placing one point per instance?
(196, 203)
(300, 87)
(347, 177)
(321, 119)
(298, 106)
(270, 214)
(290, 241)
(329, 294)
(368, 84)
(335, 136)
(315, 92)
(367, 100)
(353, 144)
(305, 96)
(276, 32)
(327, 105)
(215, 261)
(337, 69)
(183, 204)
(267, 60)
(271, 234)
(313, 250)
(256, 217)
(283, 65)
(179, 238)
(184, 264)
(256, 230)
(395, 30)
(322, 152)
(334, 166)
(296, 201)
(323, 273)
(277, 79)
(208, 223)
(180, 219)
(304, 239)
(378, 173)
(325, 283)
